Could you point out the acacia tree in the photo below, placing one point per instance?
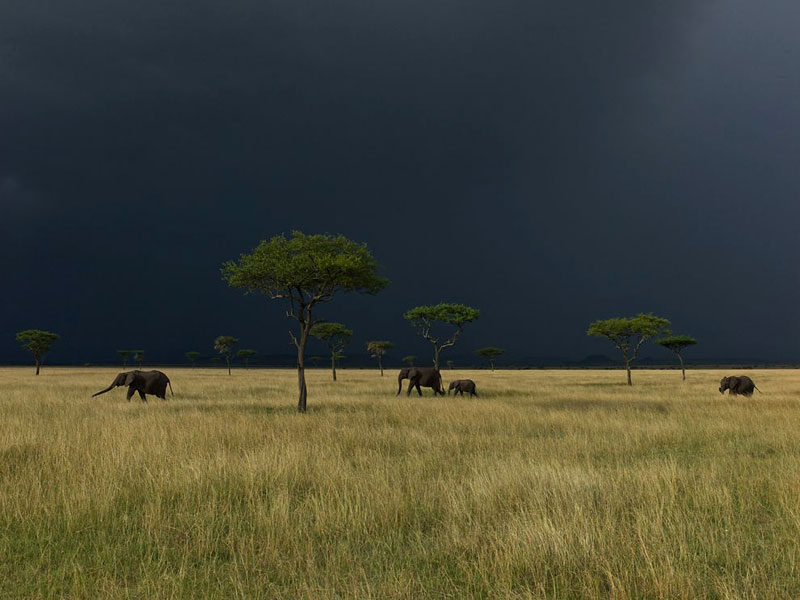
(305, 270)
(490, 352)
(192, 356)
(38, 343)
(335, 336)
(409, 360)
(246, 354)
(224, 345)
(378, 349)
(138, 356)
(629, 333)
(676, 344)
(124, 354)
(451, 365)
(454, 315)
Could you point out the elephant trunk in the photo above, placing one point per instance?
(108, 389)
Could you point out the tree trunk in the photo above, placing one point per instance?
(38, 364)
(228, 360)
(628, 368)
(436, 352)
(380, 364)
(333, 365)
(301, 356)
(683, 369)
(491, 362)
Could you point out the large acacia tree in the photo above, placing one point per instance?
(335, 336)
(452, 316)
(676, 344)
(38, 343)
(305, 270)
(629, 333)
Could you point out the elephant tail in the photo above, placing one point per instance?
(169, 383)
(759, 391)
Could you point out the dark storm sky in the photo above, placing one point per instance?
(547, 162)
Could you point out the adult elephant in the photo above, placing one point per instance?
(145, 382)
(737, 385)
(420, 377)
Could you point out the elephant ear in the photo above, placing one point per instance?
(129, 378)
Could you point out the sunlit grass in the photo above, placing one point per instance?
(551, 484)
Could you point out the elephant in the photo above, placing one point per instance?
(420, 376)
(145, 382)
(737, 385)
(461, 386)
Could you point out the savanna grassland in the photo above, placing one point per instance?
(556, 484)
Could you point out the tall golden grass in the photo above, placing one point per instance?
(556, 484)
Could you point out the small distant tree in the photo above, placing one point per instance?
(38, 343)
(224, 345)
(246, 354)
(192, 356)
(138, 357)
(629, 333)
(305, 270)
(377, 349)
(490, 352)
(335, 336)
(124, 355)
(456, 316)
(315, 360)
(450, 364)
(677, 344)
(409, 360)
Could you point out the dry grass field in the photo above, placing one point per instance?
(552, 484)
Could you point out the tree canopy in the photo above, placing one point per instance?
(246, 354)
(305, 270)
(457, 316)
(676, 344)
(192, 356)
(490, 352)
(38, 342)
(224, 345)
(335, 336)
(377, 349)
(629, 333)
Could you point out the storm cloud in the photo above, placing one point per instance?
(549, 163)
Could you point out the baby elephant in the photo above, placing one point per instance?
(463, 385)
(737, 385)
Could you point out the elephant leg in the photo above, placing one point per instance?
(142, 396)
(130, 393)
(419, 389)
(410, 387)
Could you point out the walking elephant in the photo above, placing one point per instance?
(737, 385)
(420, 377)
(145, 382)
(461, 386)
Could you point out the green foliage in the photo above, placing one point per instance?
(246, 353)
(333, 334)
(192, 356)
(676, 343)
(457, 316)
(379, 348)
(490, 352)
(224, 344)
(409, 360)
(138, 356)
(306, 268)
(629, 333)
(450, 364)
(37, 341)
